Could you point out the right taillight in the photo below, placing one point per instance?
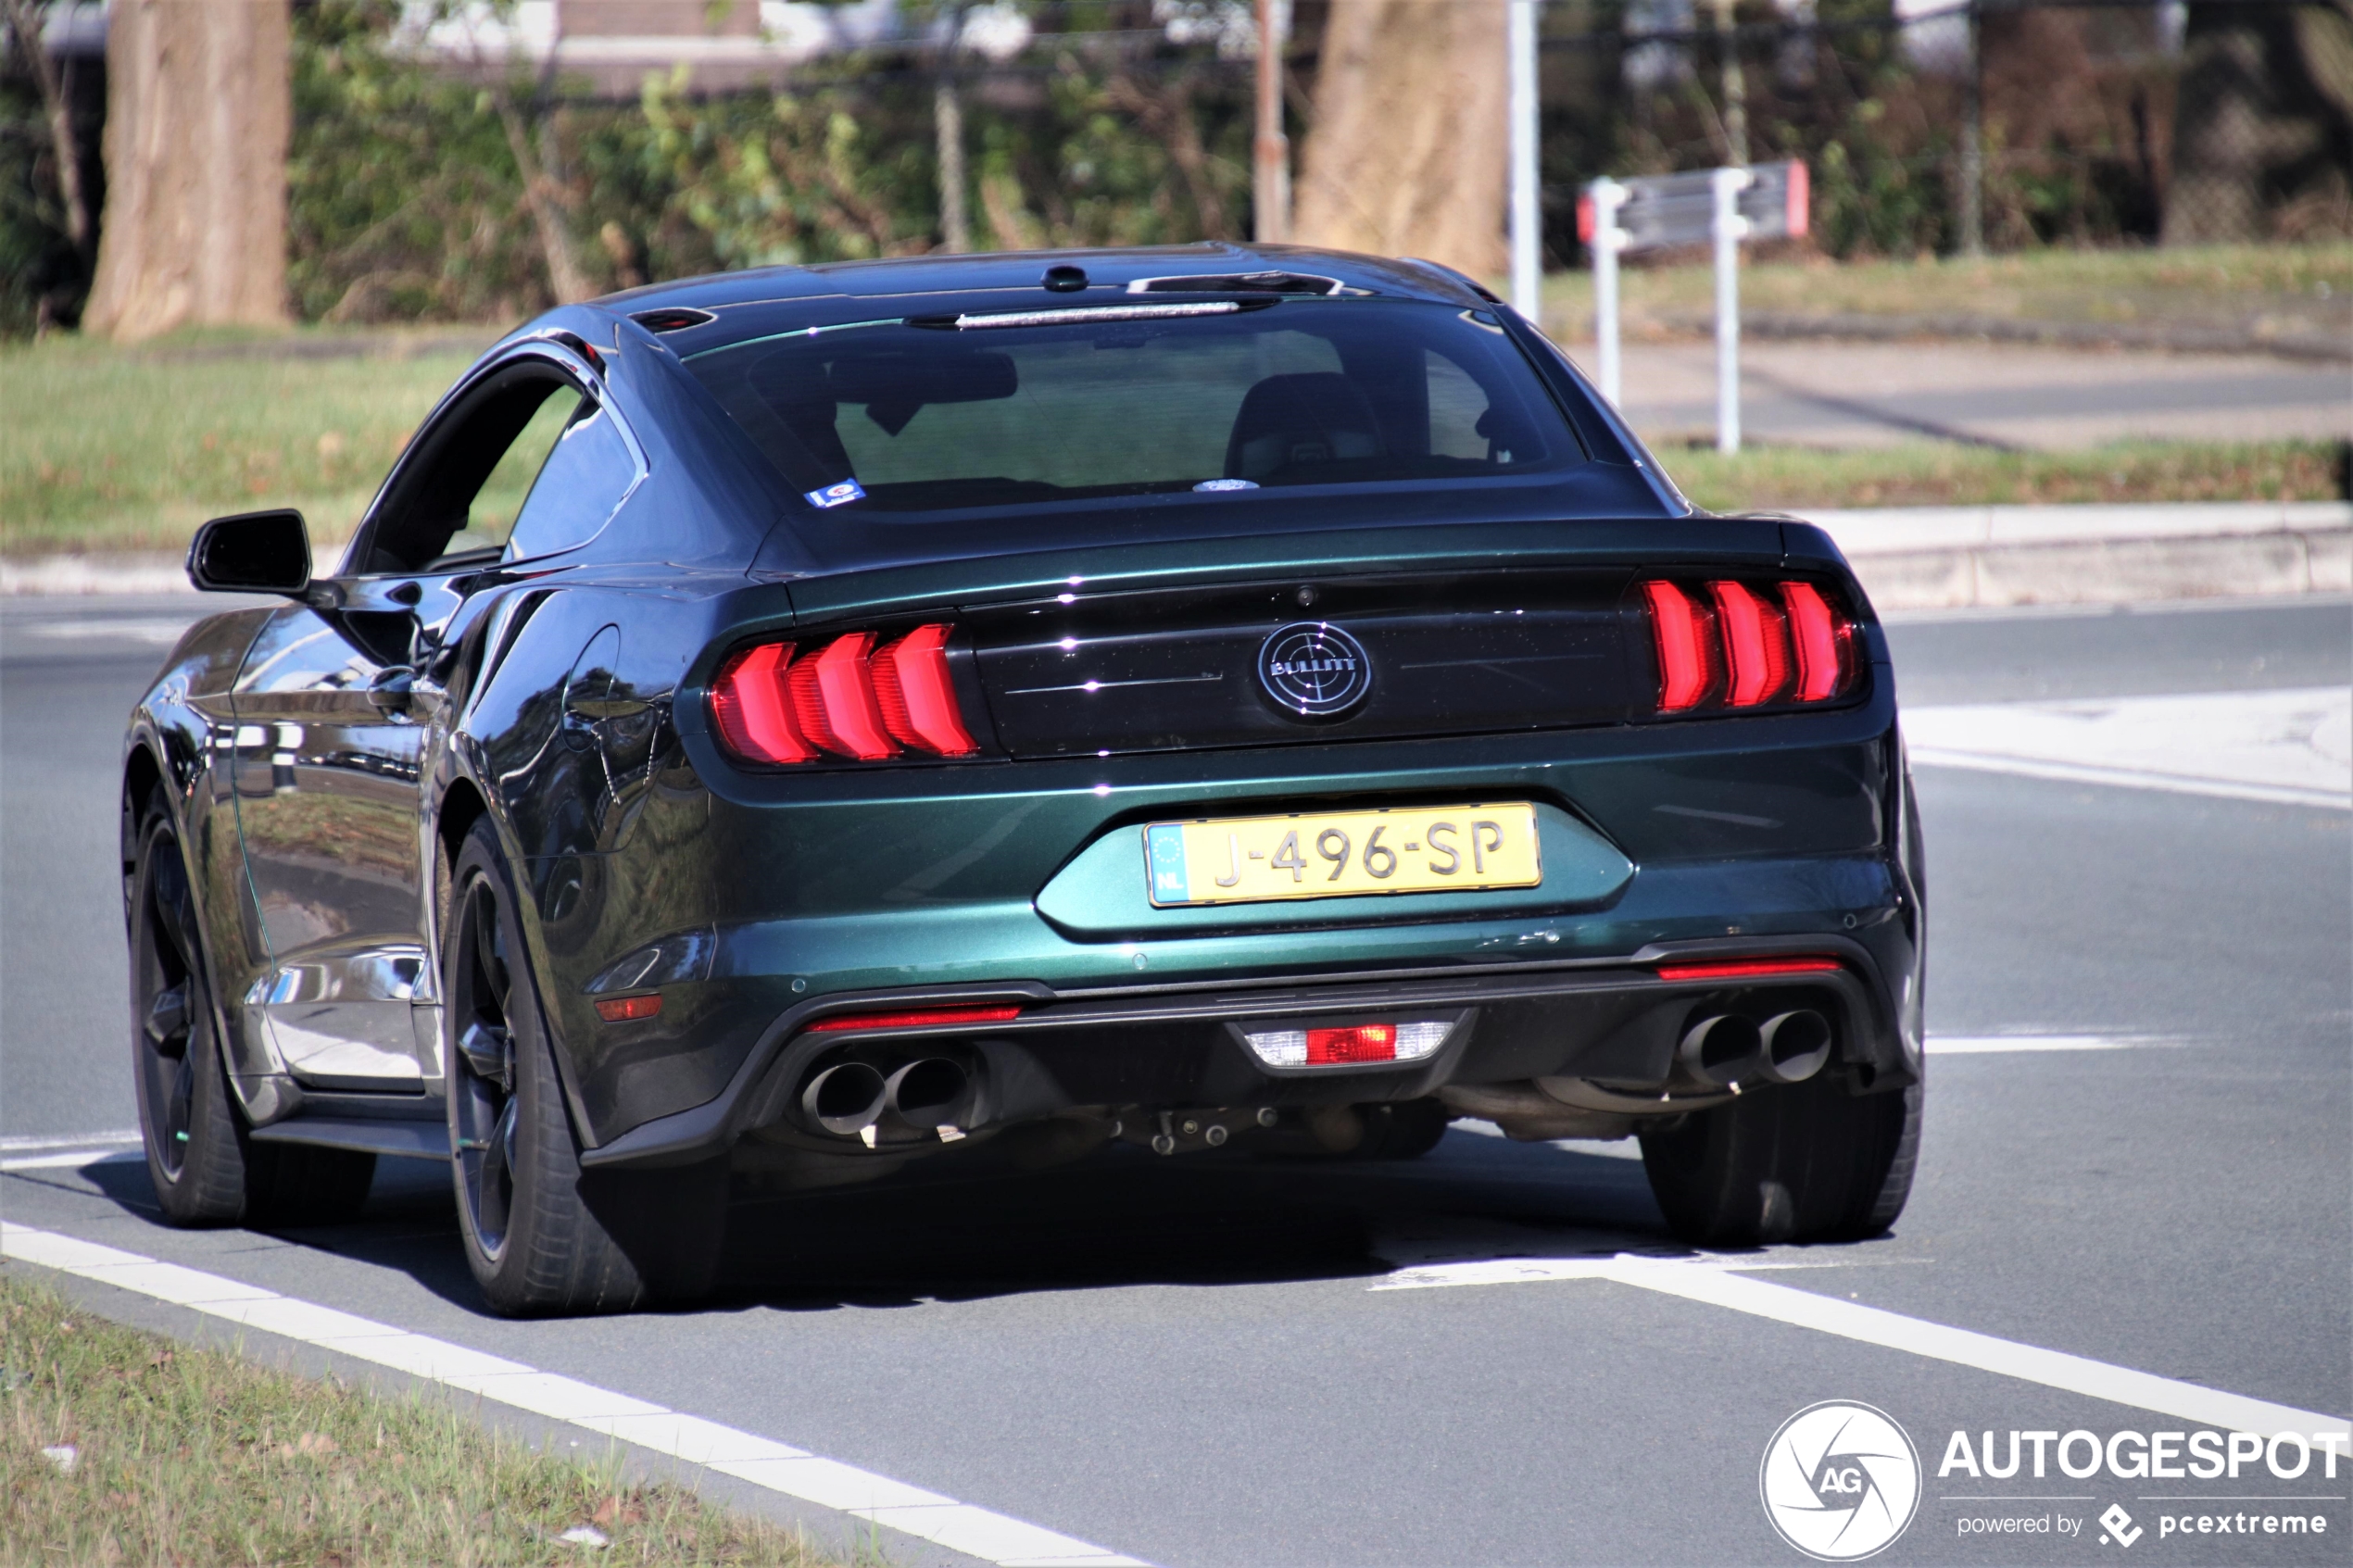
(778, 704)
(1727, 643)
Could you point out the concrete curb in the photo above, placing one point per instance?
(1941, 558)
(1909, 558)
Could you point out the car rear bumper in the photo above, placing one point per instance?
(1612, 1021)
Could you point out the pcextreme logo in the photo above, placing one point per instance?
(1840, 1481)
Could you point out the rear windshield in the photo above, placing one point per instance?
(919, 416)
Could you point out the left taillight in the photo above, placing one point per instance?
(781, 704)
(1725, 643)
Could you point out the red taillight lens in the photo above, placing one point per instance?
(1746, 968)
(1686, 648)
(1755, 645)
(914, 1018)
(1359, 1042)
(1823, 639)
(1734, 644)
(918, 703)
(833, 696)
(754, 713)
(845, 698)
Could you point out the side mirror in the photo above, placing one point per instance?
(252, 553)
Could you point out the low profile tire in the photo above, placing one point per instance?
(1804, 1163)
(541, 1234)
(206, 1168)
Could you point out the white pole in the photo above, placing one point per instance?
(1608, 240)
(1729, 227)
(1527, 213)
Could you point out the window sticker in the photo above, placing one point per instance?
(840, 494)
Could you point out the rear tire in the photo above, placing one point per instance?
(541, 1234)
(201, 1158)
(1804, 1163)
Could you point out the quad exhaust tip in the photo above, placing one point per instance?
(1727, 1049)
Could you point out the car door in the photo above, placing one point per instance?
(333, 706)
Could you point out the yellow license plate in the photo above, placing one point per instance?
(1343, 854)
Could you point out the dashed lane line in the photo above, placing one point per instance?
(794, 1472)
(1717, 1282)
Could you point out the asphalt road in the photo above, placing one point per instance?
(1849, 395)
(1189, 1361)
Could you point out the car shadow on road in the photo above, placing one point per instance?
(1121, 1217)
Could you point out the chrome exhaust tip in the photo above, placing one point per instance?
(1794, 1046)
(844, 1099)
(1720, 1050)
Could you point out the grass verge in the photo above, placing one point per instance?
(103, 449)
(188, 1456)
(2260, 290)
(1934, 474)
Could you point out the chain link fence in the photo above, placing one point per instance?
(1932, 126)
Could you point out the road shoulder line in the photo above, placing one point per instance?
(776, 1467)
(1718, 1282)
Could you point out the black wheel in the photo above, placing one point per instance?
(1806, 1162)
(206, 1169)
(542, 1236)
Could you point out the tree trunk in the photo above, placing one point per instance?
(1406, 156)
(199, 111)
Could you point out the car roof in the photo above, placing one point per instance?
(1023, 273)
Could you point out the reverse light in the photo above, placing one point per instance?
(841, 698)
(914, 1018)
(1349, 1045)
(1728, 644)
(1748, 969)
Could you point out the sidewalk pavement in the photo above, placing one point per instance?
(1909, 558)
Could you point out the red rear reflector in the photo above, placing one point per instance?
(1823, 639)
(1756, 644)
(833, 696)
(1746, 968)
(1686, 651)
(1360, 1042)
(623, 1010)
(917, 702)
(914, 1019)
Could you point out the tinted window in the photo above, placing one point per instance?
(491, 515)
(928, 417)
(457, 496)
(579, 486)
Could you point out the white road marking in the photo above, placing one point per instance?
(24, 1144)
(159, 633)
(72, 1156)
(1719, 1282)
(1986, 1045)
(795, 1472)
(2290, 747)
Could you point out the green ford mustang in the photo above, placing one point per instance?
(812, 721)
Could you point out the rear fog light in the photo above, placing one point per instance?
(1348, 1045)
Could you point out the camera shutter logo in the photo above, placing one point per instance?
(1840, 1481)
(1314, 670)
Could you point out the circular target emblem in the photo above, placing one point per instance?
(1314, 670)
(1840, 1481)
